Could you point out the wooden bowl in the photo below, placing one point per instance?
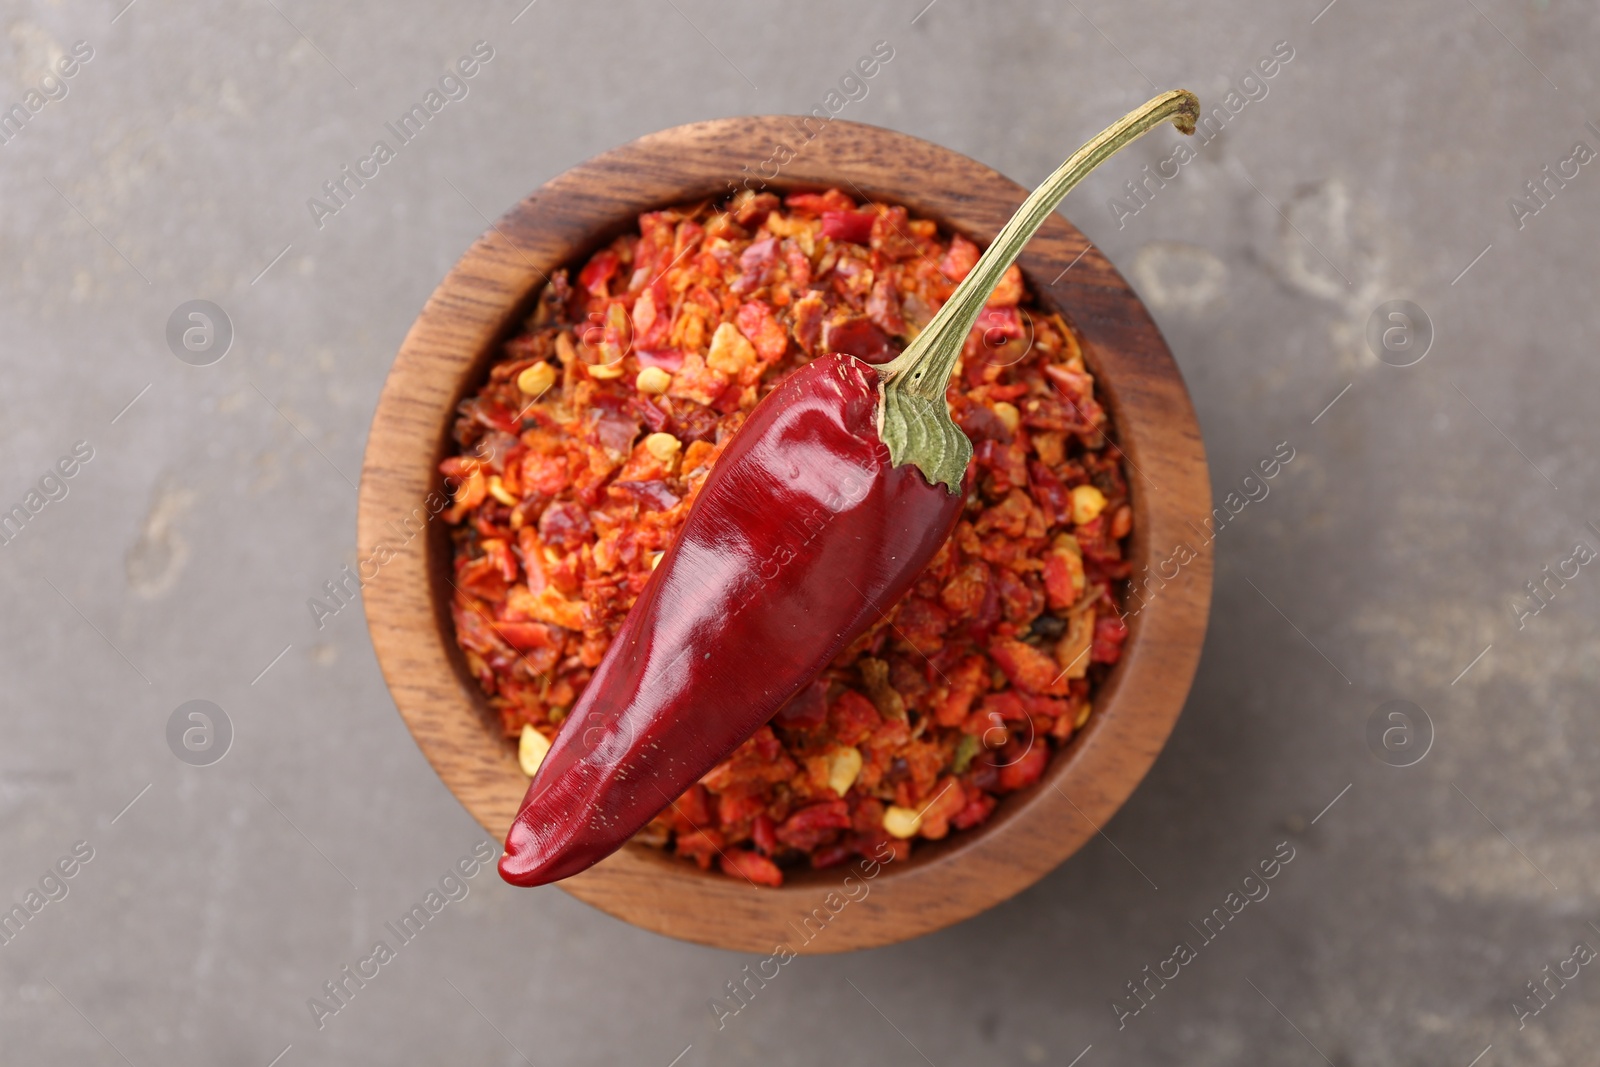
(486, 296)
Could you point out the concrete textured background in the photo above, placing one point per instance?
(1387, 562)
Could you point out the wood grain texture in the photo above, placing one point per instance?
(445, 356)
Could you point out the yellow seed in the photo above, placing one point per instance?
(843, 767)
(1083, 716)
(531, 749)
(663, 446)
(536, 379)
(731, 352)
(901, 822)
(653, 380)
(1087, 504)
(498, 490)
(655, 559)
(604, 370)
(1008, 414)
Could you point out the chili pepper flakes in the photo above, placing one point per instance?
(580, 456)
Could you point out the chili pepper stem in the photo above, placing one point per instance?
(913, 417)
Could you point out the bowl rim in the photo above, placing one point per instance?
(445, 356)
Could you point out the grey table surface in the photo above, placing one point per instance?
(1385, 161)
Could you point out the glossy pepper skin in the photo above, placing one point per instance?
(802, 537)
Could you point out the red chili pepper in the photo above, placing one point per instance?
(820, 513)
(802, 536)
